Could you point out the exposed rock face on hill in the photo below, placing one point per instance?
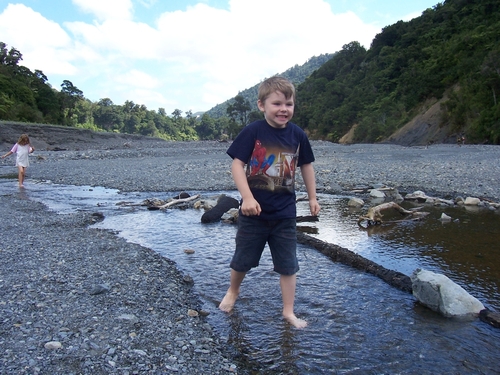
(424, 129)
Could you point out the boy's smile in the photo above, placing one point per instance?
(277, 109)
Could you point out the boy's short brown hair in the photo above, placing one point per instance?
(274, 84)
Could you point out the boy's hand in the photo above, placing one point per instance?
(250, 207)
(314, 207)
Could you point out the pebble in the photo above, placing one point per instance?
(54, 322)
(75, 300)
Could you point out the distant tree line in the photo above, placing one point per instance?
(26, 96)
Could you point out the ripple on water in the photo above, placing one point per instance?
(357, 323)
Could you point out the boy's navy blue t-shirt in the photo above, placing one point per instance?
(272, 156)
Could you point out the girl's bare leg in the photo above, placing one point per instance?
(20, 176)
(288, 284)
(232, 293)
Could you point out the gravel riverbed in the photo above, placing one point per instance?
(78, 300)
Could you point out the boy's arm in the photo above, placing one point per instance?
(307, 171)
(249, 206)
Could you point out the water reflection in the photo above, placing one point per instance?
(465, 249)
(357, 323)
(21, 194)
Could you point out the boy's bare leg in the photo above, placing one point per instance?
(288, 284)
(232, 293)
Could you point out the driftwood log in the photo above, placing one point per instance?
(174, 202)
(350, 258)
(374, 214)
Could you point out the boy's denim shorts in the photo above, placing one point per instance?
(251, 239)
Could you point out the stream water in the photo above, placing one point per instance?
(358, 324)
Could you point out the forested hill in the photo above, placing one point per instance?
(450, 55)
(297, 74)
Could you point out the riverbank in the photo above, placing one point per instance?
(76, 300)
(115, 307)
(145, 164)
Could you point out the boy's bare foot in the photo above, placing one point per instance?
(228, 302)
(296, 322)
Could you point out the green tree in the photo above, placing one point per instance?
(10, 57)
(70, 96)
(239, 109)
(46, 98)
(206, 128)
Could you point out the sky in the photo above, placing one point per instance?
(187, 55)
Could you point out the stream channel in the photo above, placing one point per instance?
(358, 324)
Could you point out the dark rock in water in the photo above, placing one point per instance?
(97, 217)
(490, 317)
(223, 205)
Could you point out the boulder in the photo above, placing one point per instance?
(445, 218)
(393, 194)
(355, 202)
(471, 201)
(442, 295)
(375, 193)
(490, 317)
(418, 195)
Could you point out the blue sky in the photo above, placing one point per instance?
(187, 55)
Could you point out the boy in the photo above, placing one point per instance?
(272, 149)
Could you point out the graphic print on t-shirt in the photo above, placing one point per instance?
(272, 168)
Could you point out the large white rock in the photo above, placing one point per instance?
(420, 195)
(471, 201)
(375, 193)
(355, 202)
(442, 295)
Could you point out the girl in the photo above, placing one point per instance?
(22, 148)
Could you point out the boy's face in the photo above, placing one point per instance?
(277, 109)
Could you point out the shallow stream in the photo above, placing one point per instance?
(358, 324)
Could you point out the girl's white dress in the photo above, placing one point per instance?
(22, 153)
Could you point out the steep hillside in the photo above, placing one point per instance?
(383, 90)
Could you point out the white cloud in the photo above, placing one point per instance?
(46, 49)
(132, 40)
(190, 59)
(106, 9)
(136, 78)
(255, 39)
